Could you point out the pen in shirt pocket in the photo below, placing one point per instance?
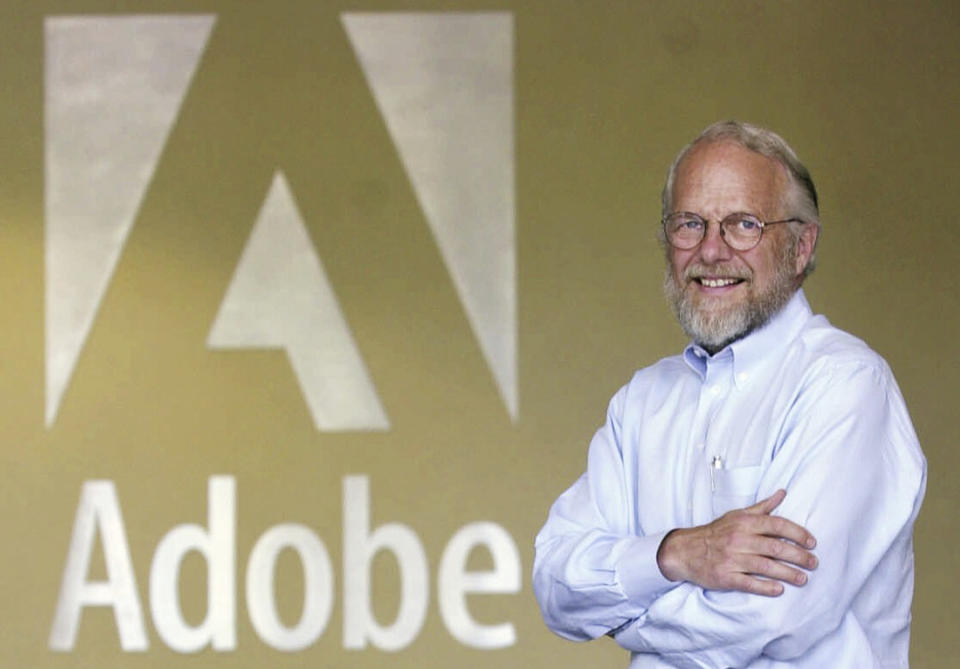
(715, 464)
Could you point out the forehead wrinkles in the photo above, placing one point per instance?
(718, 178)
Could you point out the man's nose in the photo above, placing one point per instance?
(713, 248)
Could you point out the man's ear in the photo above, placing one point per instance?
(806, 245)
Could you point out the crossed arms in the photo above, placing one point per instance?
(729, 591)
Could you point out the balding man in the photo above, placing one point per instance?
(749, 503)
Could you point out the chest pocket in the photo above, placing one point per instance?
(734, 488)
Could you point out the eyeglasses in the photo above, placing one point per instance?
(685, 230)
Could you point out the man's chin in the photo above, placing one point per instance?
(712, 308)
(715, 339)
(717, 302)
(715, 325)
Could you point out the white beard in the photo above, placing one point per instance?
(711, 324)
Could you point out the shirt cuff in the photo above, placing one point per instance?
(638, 573)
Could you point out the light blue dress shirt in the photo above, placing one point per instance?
(797, 404)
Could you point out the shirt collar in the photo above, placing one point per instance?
(750, 352)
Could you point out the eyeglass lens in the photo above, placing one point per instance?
(740, 231)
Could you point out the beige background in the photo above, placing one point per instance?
(606, 93)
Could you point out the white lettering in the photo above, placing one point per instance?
(98, 508)
(217, 546)
(317, 582)
(453, 583)
(359, 548)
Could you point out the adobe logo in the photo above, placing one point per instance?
(443, 83)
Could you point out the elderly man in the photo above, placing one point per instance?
(750, 502)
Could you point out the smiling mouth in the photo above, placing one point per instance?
(717, 283)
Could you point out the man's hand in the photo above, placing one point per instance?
(745, 549)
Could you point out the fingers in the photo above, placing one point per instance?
(784, 551)
(774, 526)
(760, 552)
(752, 573)
(756, 575)
(746, 549)
(781, 528)
(756, 586)
(769, 557)
(765, 506)
(779, 571)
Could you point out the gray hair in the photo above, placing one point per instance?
(802, 198)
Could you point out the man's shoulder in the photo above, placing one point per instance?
(667, 369)
(824, 346)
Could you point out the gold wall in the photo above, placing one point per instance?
(598, 98)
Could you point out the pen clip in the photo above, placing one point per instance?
(715, 463)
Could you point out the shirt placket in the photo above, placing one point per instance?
(707, 453)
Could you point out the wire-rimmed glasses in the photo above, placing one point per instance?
(685, 230)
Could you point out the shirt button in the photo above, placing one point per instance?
(714, 390)
(742, 376)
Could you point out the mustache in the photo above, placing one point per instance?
(699, 271)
